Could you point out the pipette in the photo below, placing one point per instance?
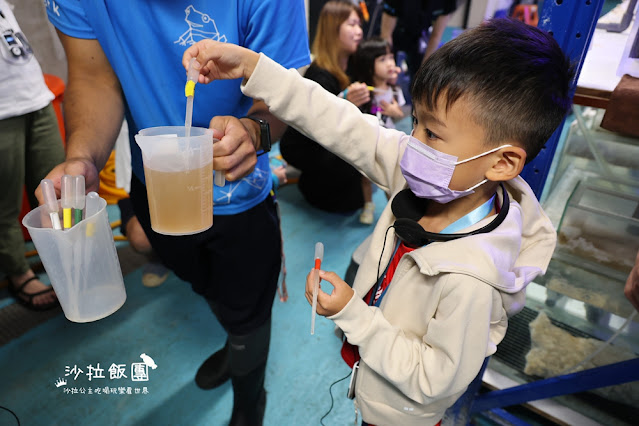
(66, 196)
(78, 199)
(51, 202)
(319, 255)
(189, 92)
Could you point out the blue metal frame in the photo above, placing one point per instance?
(510, 419)
(613, 374)
(572, 23)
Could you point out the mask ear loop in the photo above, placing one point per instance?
(482, 154)
(472, 188)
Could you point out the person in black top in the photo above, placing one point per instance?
(405, 21)
(326, 181)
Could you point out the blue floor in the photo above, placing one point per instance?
(175, 327)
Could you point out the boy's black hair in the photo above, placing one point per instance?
(515, 76)
(363, 62)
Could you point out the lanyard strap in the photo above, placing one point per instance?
(381, 279)
(471, 218)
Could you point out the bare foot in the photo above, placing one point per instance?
(34, 286)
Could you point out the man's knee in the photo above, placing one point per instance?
(137, 237)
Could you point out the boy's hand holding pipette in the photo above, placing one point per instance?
(329, 304)
(235, 151)
(220, 61)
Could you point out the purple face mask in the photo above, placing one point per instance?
(428, 171)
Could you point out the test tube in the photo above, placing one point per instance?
(78, 200)
(51, 202)
(319, 255)
(66, 196)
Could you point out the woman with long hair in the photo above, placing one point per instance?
(326, 181)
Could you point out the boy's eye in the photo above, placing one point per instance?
(431, 135)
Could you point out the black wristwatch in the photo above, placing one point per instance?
(265, 133)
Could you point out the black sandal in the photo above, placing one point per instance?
(26, 299)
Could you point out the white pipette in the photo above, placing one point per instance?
(78, 198)
(51, 202)
(319, 255)
(189, 92)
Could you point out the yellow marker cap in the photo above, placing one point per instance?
(90, 230)
(189, 89)
(66, 218)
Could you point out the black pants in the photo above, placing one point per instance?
(235, 264)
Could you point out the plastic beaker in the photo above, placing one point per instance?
(81, 262)
(179, 178)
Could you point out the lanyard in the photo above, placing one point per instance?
(467, 220)
(377, 302)
(471, 218)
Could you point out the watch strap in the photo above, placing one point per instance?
(265, 132)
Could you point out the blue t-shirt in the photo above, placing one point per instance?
(144, 42)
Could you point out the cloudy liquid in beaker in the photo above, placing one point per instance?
(180, 203)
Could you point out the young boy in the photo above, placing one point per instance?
(463, 235)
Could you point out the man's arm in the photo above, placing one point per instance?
(387, 27)
(436, 35)
(93, 111)
(93, 104)
(259, 109)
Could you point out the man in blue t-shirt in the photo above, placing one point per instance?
(111, 47)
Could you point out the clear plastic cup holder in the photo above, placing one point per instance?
(81, 262)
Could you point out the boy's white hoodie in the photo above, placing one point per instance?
(447, 306)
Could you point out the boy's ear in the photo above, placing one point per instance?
(509, 163)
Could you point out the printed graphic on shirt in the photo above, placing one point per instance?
(14, 47)
(200, 26)
(258, 179)
(50, 4)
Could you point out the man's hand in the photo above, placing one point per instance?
(329, 304)
(234, 153)
(73, 167)
(631, 290)
(220, 61)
